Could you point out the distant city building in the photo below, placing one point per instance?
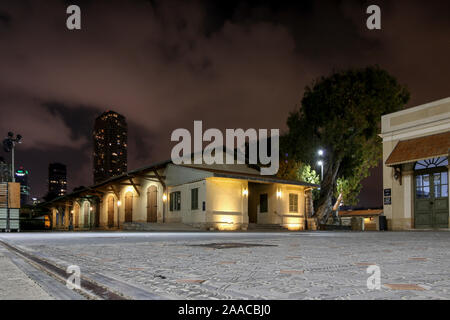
(57, 179)
(21, 176)
(5, 171)
(110, 146)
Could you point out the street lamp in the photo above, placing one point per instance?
(320, 152)
(8, 146)
(320, 163)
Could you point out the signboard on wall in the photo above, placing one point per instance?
(387, 200)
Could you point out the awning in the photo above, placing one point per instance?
(436, 145)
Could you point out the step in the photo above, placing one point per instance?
(142, 226)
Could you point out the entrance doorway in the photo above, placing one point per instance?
(129, 206)
(431, 208)
(111, 212)
(152, 204)
(76, 213)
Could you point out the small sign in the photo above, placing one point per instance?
(387, 192)
(387, 200)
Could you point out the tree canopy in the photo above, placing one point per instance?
(341, 115)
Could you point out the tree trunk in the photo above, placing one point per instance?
(324, 203)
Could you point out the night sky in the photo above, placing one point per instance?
(164, 64)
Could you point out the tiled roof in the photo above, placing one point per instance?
(436, 145)
(252, 177)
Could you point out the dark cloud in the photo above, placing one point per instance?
(164, 64)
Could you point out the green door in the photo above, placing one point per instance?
(431, 199)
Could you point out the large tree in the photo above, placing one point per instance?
(341, 115)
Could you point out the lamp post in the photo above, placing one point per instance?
(320, 152)
(8, 146)
(320, 163)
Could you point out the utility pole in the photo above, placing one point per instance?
(9, 145)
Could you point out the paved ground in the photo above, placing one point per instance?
(302, 265)
(15, 284)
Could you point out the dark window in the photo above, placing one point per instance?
(293, 202)
(263, 202)
(175, 201)
(423, 186)
(194, 199)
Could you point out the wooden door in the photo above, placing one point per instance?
(77, 215)
(252, 201)
(129, 206)
(111, 212)
(152, 204)
(431, 199)
(440, 199)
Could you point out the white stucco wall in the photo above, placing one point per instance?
(428, 119)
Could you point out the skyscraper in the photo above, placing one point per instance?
(21, 176)
(110, 146)
(57, 179)
(5, 171)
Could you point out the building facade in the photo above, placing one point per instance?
(416, 145)
(57, 179)
(110, 146)
(208, 197)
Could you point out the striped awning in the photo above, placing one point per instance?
(436, 145)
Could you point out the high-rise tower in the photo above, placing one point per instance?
(57, 179)
(110, 146)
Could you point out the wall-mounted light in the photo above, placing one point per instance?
(90, 208)
(119, 203)
(245, 192)
(279, 194)
(164, 197)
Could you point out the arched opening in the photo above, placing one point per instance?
(86, 212)
(76, 214)
(129, 206)
(111, 211)
(152, 204)
(431, 193)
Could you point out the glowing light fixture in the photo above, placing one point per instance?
(119, 203)
(245, 192)
(279, 194)
(164, 197)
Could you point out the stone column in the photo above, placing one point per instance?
(408, 196)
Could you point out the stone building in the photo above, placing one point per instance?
(416, 144)
(219, 197)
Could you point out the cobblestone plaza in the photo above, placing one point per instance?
(284, 265)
